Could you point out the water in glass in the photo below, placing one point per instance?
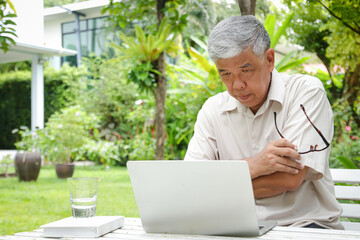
(83, 207)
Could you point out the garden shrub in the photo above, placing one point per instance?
(345, 149)
(100, 151)
(15, 99)
(107, 94)
(15, 105)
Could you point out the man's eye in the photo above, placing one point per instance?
(245, 70)
(226, 74)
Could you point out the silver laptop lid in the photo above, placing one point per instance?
(195, 197)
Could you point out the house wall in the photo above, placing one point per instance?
(29, 21)
(52, 26)
(55, 16)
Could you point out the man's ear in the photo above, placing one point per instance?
(270, 59)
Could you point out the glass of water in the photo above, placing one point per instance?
(83, 194)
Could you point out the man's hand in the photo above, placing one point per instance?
(277, 156)
(277, 183)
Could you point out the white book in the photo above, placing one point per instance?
(83, 227)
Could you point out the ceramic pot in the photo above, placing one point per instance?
(27, 165)
(64, 170)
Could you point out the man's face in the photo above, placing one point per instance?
(247, 77)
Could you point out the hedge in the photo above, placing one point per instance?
(15, 99)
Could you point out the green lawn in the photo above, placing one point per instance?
(25, 206)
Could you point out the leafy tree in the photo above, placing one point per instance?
(347, 12)
(331, 29)
(346, 51)
(310, 32)
(150, 71)
(7, 32)
(201, 18)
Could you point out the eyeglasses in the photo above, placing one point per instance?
(312, 148)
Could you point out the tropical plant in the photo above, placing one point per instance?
(191, 81)
(7, 32)
(196, 70)
(146, 48)
(291, 60)
(143, 51)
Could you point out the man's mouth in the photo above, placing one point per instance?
(244, 97)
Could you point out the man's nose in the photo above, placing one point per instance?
(239, 83)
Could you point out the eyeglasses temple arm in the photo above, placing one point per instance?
(277, 127)
(317, 150)
(317, 130)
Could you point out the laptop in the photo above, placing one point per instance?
(196, 197)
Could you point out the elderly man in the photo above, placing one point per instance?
(280, 124)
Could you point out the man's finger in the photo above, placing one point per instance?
(284, 168)
(291, 163)
(287, 152)
(283, 142)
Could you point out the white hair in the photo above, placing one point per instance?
(234, 35)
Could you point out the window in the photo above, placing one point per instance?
(94, 37)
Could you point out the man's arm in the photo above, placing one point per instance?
(275, 170)
(277, 183)
(278, 156)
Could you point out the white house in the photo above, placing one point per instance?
(60, 28)
(31, 45)
(51, 34)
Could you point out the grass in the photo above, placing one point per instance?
(25, 206)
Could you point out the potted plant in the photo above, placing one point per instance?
(27, 160)
(64, 134)
(5, 163)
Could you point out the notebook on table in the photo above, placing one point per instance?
(92, 227)
(196, 197)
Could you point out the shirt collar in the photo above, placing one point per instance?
(277, 88)
(229, 104)
(276, 93)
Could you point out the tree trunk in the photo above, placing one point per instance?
(352, 80)
(334, 92)
(160, 93)
(247, 7)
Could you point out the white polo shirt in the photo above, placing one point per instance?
(226, 129)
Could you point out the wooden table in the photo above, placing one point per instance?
(133, 230)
